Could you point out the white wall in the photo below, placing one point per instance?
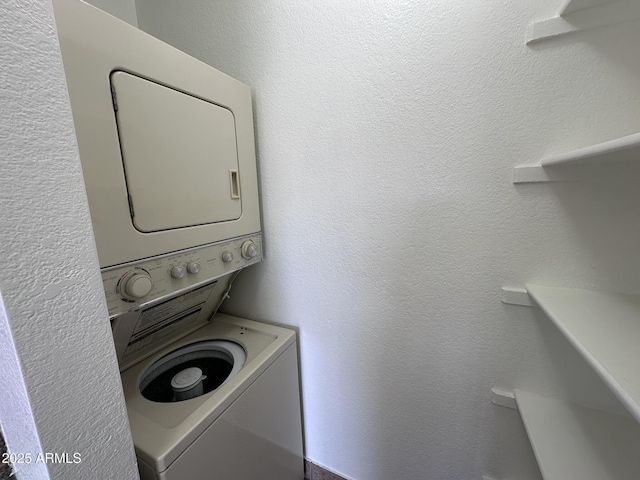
(54, 306)
(386, 133)
(16, 417)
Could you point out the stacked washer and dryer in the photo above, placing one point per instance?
(167, 151)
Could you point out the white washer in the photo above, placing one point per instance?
(246, 429)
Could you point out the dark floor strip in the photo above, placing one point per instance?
(5, 469)
(316, 472)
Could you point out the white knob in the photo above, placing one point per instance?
(178, 272)
(136, 285)
(227, 257)
(193, 267)
(249, 249)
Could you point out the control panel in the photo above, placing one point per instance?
(127, 287)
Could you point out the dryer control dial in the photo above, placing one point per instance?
(227, 257)
(249, 249)
(136, 285)
(193, 267)
(178, 272)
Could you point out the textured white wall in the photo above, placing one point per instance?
(49, 272)
(123, 9)
(386, 134)
(16, 417)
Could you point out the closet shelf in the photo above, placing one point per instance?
(577, 442)
(624, 148)
(583, 15)
(605, 329)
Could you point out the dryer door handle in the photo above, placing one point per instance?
(234, 179)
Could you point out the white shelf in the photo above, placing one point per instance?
(583, 15)
(605, 329)
(619, 149)
(572, 442)
(572, 6)
(624, 148)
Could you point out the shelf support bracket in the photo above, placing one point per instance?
(535, 174)
(517, 296)
(503, 398)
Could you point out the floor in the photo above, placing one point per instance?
(5, 469)
(311, 470)
(316, 472)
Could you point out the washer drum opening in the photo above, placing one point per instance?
(218, 360)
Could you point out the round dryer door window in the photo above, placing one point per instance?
(191, 371)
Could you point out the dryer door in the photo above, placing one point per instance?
(179, 154)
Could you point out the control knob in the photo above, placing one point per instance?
(136, 285)
(193, 267)
(227, 257)
(178, 272)
(249, 250)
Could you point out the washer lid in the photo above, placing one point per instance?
(179, 154)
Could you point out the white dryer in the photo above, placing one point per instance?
(167, 151)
